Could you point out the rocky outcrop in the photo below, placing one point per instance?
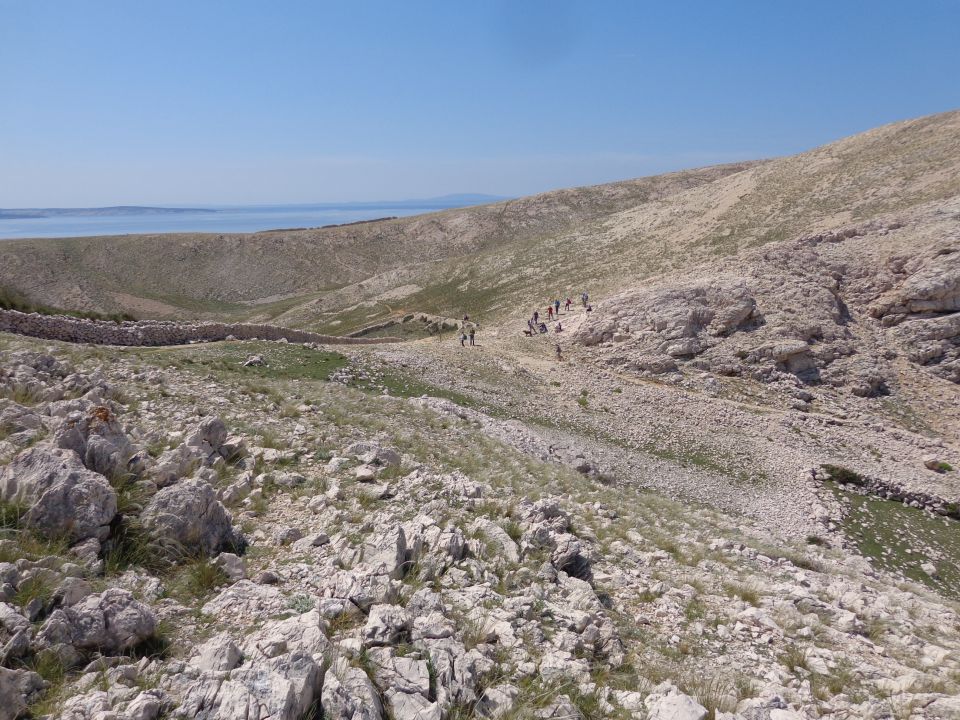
(349, 694)
(921, 306)
(97, 437)
(733, 325)
(787, 313)
(17, 689)
(110, 622)
(187, 518)
(61, 497)
(417, 560)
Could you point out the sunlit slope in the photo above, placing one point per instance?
(221, 274)
(496, 259)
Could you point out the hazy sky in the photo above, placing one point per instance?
(233, 101)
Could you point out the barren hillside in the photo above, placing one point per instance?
(498, 257)
(725, 487)
(189, 275)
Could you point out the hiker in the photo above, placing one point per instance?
(556, 306)
(559, 327)
(566, 307)
(531, 328)
(473, 331)
(536, 316)
(559, 353)
(463, 337)
(543, 328)
(549, 312)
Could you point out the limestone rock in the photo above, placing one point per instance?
(97, 437)
(282, 688)
(112, 621)
(675, 706)
(63, 497)
(218, 654)
(386, 624)
(407, 706)
(17, 689)
(189, 516)
(348, 694)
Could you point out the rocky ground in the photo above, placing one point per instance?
(414, 531)
(734, 495)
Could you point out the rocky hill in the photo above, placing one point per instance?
(490, 257)
(725, 487)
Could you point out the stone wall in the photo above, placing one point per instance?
(866, 485)
(149, 332)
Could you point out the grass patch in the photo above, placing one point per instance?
(11, 515)
(129, 547)
(12, 300)
(194, 580)
(896, 538)
(34, 588)
(794, 658)
(841, 679)
(48, 666)
(746, 593)
(20, 394)
(18, 541)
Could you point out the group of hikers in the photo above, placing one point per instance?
(468, 331)
(535, 324)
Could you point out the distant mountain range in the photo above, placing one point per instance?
(436, 203)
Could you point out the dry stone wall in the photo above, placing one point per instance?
(149, 332)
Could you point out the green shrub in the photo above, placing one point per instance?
(301, 603)
(843, 475)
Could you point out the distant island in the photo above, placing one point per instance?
(436, 203)
(114, 211)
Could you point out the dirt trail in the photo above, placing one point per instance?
(722, 442)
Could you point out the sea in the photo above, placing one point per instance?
(211, 219)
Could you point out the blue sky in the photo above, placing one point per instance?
(237, 101)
